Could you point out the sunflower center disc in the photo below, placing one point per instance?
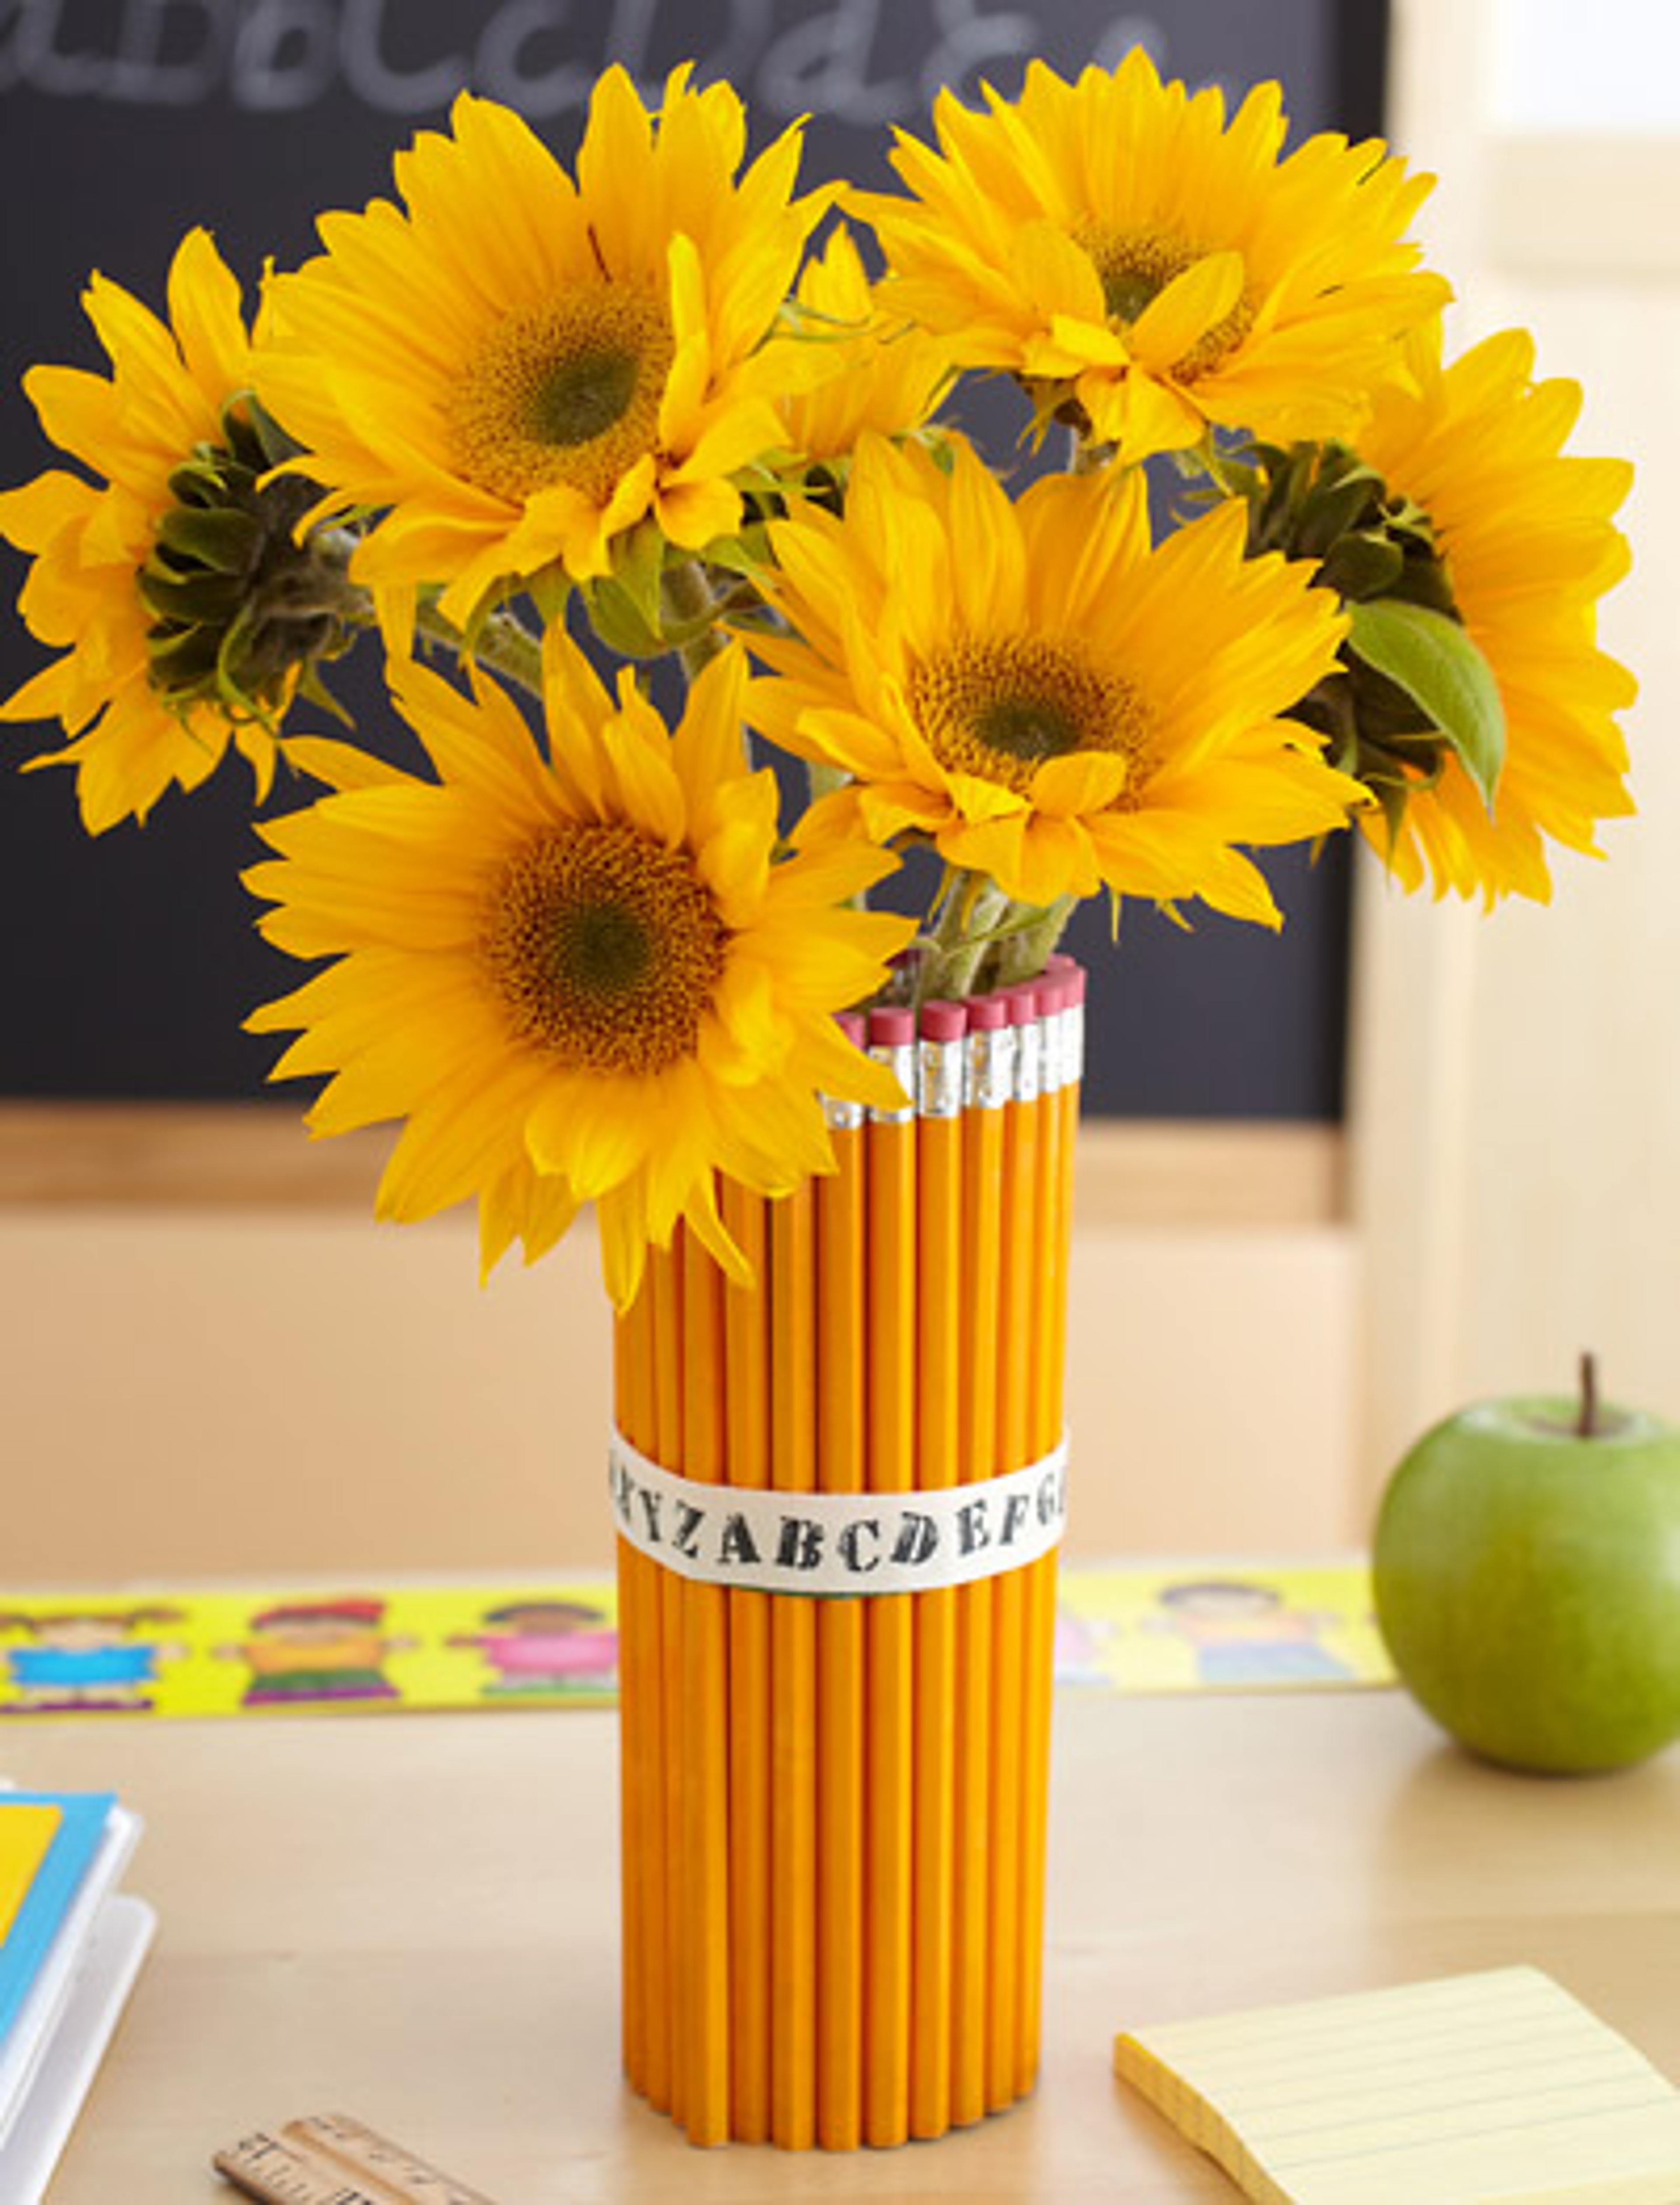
(998, 708)
(604, 949)
(567, 391)
(607, 948)
(1136, 266)
(582, 398)
(1030, 728)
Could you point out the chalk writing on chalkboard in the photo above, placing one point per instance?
(540, 55)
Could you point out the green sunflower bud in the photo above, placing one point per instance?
(245, 608)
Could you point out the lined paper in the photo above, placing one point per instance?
(1497, 2086)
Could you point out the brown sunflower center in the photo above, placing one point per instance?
(1136, 266)
(567, 392)
(998, 707)
(604, 949)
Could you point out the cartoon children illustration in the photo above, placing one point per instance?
(1082, 1648)
(310, 1650)
(545, 1646)
(86, 1660)
(1242, 1634)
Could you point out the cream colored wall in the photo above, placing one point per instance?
(233, 1384)
(1515, 1134)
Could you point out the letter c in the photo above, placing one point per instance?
(847, 1544)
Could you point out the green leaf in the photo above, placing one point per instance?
(311, 684)
(1333, 507)
(1362, 565)
(639, 558)
(747, 553)
(189, 598)
(548, 589)
(1434, 660)
(224, 540)
(620, 626)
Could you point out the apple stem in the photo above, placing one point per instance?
(1586, 1422)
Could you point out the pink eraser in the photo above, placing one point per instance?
(851, 1024)
(892, 1026)
(986, 1013)
(1069, 969)
(1022, 1000)
(943, 1021)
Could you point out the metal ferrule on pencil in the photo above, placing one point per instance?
(899, 1059)
(1028, 1061)
(1062, 1051)
(1073, 1043)
(940, 1079)
(1053, 1057)
(988, 1067)
(841, 1116)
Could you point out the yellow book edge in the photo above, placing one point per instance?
(27, 1829)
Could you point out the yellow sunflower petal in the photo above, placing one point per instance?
(1069, 675)
(1117, 240)
(1528, 544)
(518, 367)
(598, 979)
(132, 738)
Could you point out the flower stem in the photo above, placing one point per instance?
(504, 645)
(1026, 940)
(970, 908)
(688, 597)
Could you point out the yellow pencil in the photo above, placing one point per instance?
(990, 1051)
(1022, 1259)
(793, 1685)
(747, 1449)
(664, 1274)
(840, 1640)
(939, 1174)
(1057, 1119)
(642, 1714)
(1073, 1056)
(890, 1137)
(705, 1725)
(626, 1356)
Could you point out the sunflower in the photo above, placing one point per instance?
(876, 374)
(1527, 545)
(576, 978)
(1040, 694)
(106, 556)
(1147, 270)
(522, 368)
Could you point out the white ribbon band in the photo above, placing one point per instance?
(825, 1545)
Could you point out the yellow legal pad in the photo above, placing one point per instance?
(1476, 2088)
(27, 1831)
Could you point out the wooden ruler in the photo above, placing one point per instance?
(327, 2159)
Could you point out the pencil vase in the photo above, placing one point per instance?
(839, 1492)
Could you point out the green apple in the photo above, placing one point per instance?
(1526, 1569)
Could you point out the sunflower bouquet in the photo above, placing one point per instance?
(1300, 574)
(551, 437)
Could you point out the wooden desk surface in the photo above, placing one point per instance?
(414, 1919)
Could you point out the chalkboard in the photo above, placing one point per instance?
(130, 962)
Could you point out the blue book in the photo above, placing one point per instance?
(84, 1816)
